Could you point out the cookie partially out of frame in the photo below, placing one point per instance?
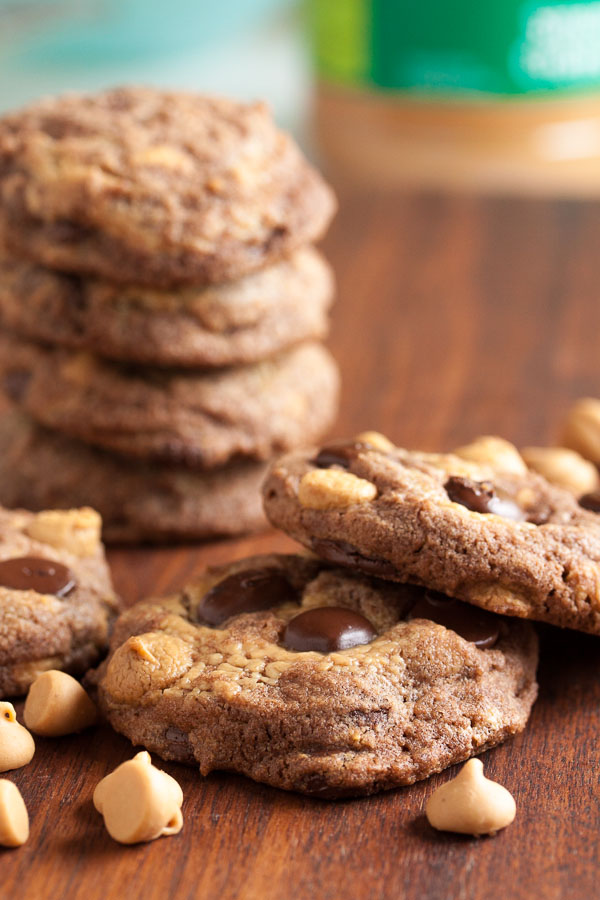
(501, 538)
(156, 187)
(217, 325)
(201, 419)
(41, 469)
(316, 679)
(56, 596)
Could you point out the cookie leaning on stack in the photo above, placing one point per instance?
(157, 268)
(490, 532)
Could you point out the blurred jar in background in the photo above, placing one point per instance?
(487, 94)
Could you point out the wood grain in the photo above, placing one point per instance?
(456, 316)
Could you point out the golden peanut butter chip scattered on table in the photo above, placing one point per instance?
(16, 744)
(57, 705)
(139, 802)
(14, 821)
(471, 803)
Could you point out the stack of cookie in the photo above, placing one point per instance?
(162, 309)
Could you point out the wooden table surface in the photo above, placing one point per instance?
(455, 317)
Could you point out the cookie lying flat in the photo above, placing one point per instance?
(156, 187)
(508, 542)
(40, 469)
(56, 596)
(220, 325)
(316, 679)
(201, 419)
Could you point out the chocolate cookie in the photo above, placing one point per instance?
(201, 419)
(56, 596)
(155, 187)
(219, 325)
(316, 679)
(503, 540)
(138, 502)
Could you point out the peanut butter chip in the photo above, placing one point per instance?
(493, 451)
(139, 802)
(471, 803)
(581, 430)
(74, 530)
(57, 705)
(376, 439)
(334, 489)
(16, 744)
(563, 467)
(146, 662)
(14, 821)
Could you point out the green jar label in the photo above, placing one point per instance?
(459, 46)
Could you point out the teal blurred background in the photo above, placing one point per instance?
(245, 48)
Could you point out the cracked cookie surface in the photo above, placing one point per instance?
(56, 596)
(504, 540)
(200, 419)
(410, 698)
(138, 501)
(160, 187)
(217, 325)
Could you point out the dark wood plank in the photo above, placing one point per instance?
(456, 316)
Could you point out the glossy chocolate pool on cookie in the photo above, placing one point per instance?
(33, 573)
(326, 629)
(246, 592)
(480, 496)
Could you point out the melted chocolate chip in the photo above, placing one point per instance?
(341, 454)
(327, 628)
(345, 554)
(32, 573)
(473, 624)
(479, 496)
(245, 592)
(591, 501)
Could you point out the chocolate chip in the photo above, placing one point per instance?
(15, 383)
(342, 453)
(327, 628)
(244, 592)
(345, 554)
(473, 624)
(479, 496)
(591, 501)
(32, 573)
(63, 231)
(178, 744)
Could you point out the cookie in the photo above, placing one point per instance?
(181, 416)
(138, 502)
(316, 679)
(57, 600)
(155, 187)
(220, 325)
(507, 541)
